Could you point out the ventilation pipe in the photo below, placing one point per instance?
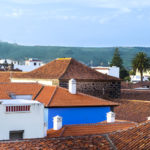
(110, 117)
(57, 123)
(72, 86)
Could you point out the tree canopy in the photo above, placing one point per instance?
(141, 63)
(117, 60)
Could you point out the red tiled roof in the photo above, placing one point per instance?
(53, 96)
(136, 111)
(5, 76)
(136, 138)
(71, 143)
(88, 129)
(19, 89)
(66, 68)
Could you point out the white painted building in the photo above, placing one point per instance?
(30, 64)
(26, 66)
(137, 78)
(21, 119)
(112, 71)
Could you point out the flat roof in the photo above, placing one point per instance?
(17, 101)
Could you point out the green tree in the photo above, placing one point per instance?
(117, 61)
(141, 63)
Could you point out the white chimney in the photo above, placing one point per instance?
(148, 118)
(57, 123)
(110, 117)
(72, 86)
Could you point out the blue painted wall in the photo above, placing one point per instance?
(79, 115)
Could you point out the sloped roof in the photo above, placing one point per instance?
(133, 110)
(5, 76)
(6, 89)
(136, 138)
(53, 96)
(88, 129)
(78, 143)
(65, 68)
(132, 138)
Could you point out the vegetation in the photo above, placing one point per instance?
(117, 61)
(141, 63)
(88, 55)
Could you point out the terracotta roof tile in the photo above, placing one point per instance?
(46, 95)
(51, 96)
(71, 143)
(52, 70)
(136, 138)
(65, 69)
(88, 129)
(135, 94)
(19, 89)
(136, 111)
(60, 97)
(5, 76)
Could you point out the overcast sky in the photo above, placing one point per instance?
(75, 22)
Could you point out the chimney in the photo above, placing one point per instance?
(57, 123)
(72, 86)
(110, 117)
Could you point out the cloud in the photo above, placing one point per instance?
(34, 2)
(15, 13)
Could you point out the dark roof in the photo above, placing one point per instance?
(133, 110)
(66, 68)
(51, 96)
(135, 94)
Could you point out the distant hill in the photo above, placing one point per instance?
(88, 55)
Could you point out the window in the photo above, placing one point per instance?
(18, 108)
(14, 135)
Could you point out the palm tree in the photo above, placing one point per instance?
(141, 63)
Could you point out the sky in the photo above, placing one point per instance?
(92, 23)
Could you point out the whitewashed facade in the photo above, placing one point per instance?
(21, 119)
(137, 78)
(30, 64)
(112, 71)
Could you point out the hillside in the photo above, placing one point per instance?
(88, 55)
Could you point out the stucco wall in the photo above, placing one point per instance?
(78, 115)
(31, 122)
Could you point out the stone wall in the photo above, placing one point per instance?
(98, 89)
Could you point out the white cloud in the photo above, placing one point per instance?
(15, 13)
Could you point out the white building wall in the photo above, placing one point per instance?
(41, 81)
(31, 122)
(137, 78)
(112, 71)
(27, 97)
